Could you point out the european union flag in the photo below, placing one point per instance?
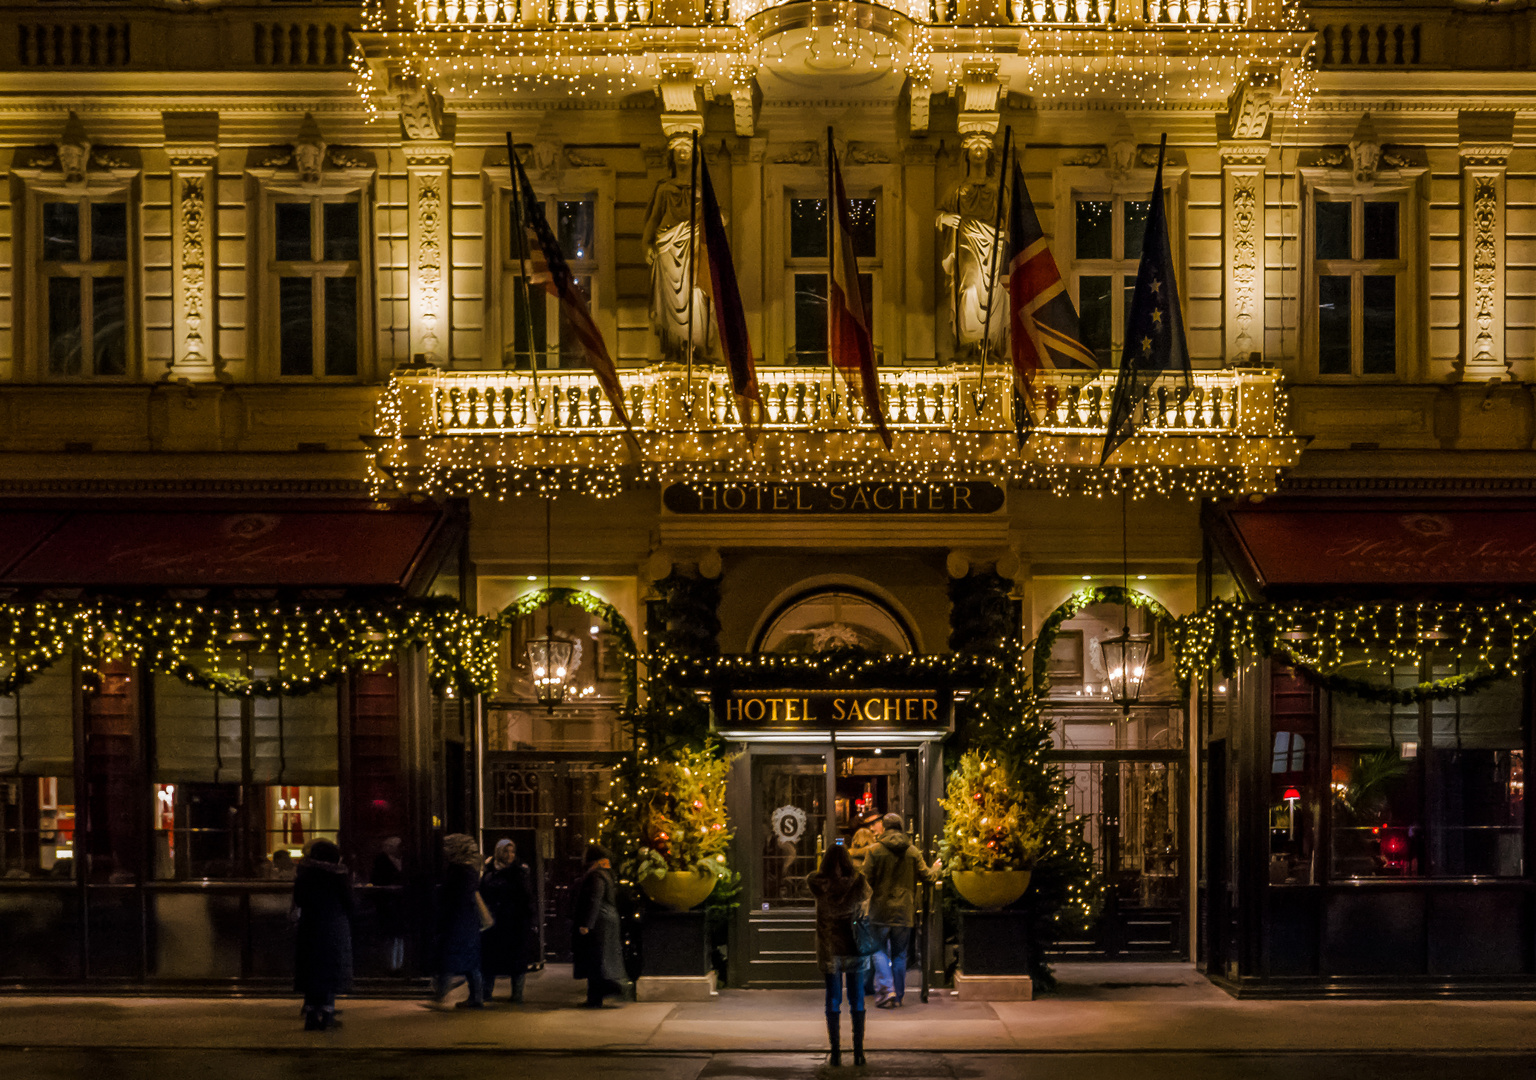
(1154, 329)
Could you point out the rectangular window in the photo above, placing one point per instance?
(1108, 235)
(1359, 275)
(83, 276)
(317, 246)
(808, 266)
(37, 778)
(535, 329)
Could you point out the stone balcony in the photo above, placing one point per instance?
(505, 432)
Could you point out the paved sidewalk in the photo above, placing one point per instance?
(1158, 1008)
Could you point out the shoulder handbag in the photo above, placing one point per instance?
(487, 920)
(864, 941)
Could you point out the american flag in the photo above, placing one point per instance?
(547, 268)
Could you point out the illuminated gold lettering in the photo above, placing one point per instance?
(883, 490)
(905, 494)
(839, 495)
(732, 710)
(930, 709)
(869, 710)
(800, 503)
(935, 498)
(962, 495)
(741, 498)
(839, 710)
(908, 710)
(860, 498)
(773, 710)
(746, 709)
(709, 494)
(789, 710)
(780, 498)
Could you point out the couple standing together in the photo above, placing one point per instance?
(885, 887)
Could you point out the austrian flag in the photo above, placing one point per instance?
(850, 345)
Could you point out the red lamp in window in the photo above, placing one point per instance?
(1292, 795)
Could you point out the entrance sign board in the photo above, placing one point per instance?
(823, 710)
(851, 497)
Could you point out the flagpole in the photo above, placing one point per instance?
(980, 400)
(522, 261)
(831, 253)
(689, 283)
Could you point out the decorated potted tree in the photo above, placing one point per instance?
(993, 831)
(684, 834)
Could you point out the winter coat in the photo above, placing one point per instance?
(390, 904)
(458, 920)
(599, 953)
(508, 947)
(322, 955)
(894, 868)
(837, 901)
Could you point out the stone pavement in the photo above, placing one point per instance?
(1098, 1009)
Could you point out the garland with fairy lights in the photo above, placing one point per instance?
(1050, 629)
(593, 605)
(208, 644)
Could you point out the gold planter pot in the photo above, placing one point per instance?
(679, 890)
(990, 888)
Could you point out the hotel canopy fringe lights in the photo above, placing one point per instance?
(497, 434)
(1137, 51)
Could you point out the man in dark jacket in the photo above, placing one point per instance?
(894, 867)
(322, 905)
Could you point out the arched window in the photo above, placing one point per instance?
(830, 619)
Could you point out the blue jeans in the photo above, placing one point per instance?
(855, 980)
(891, 959)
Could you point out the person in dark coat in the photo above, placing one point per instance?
(322, 904)
(595, 942)
(894, 869)
(458, 920)
(507, 947)
(841, 894)
(388, 875)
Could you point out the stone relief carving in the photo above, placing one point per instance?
(309, 151)
(1090, 158)
(1245, 261)
(1485, 262)
(74, 150)
(1252, 105)
(581, 159)
(919, 105)
(867, 154)
(1365, 151)
(194, 262)
(429, 256)
(337, 157)
(803, 154)
(421, 107)
(742, 111)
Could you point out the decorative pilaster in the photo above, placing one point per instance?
(1486, 143)
(1244, 151)
(192, 146)
(428, 167)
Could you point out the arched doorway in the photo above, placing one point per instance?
(1127, 773)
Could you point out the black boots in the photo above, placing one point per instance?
(858, 1037)
(834, 1038)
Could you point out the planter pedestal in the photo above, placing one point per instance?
(994, 957)
(674, 951)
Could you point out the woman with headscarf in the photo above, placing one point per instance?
(322, 906)
(507, 947)
(841, 894)
(595, 942)
(458, 920)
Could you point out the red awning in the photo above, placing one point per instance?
(290, 544)
(1396, 544)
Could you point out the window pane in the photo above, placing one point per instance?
(577, 221)
(1095, 229)
(1333, 325)
(37, 826)
(1135, 227)
(523, 307)
(295, 303)
(109, 332)
(294, 243)
(572, 355)
(61, 232)
(341, 326)
(198, 833)
(341, 236)
(1293, 795)
(293, 740)
(808, 229)
(811, 318)
(64, 326)
(109, 232)
(293, 815)
(1477, 781)
(1380, 325)
(1375, 777)
(864, 214)
(1333, 229)
(1381, 230)
(1094, 315)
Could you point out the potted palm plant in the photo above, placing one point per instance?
(993, 832)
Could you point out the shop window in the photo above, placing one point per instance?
(1433, 789)
(37, 784)
(83, 274)
(317, 258)
(241, 784)
(1293, 791)
(536, 328)
(1360, 272)
(808, 268)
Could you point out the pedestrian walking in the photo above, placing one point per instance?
(459, 920)
(388, 878)
(322, 908)
(842, 895)
(859, 845)
(595, 942)
(507, 947)
(894, 867)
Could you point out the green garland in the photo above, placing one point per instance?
(830, 670)
(206, 644)
(1050, 629)
(593, 605)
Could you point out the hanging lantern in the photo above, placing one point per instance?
(549, 659)
(1125, 664)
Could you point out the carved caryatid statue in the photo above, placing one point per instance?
(968, 234)
(669, 228)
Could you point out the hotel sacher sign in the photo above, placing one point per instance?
(850, 497)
